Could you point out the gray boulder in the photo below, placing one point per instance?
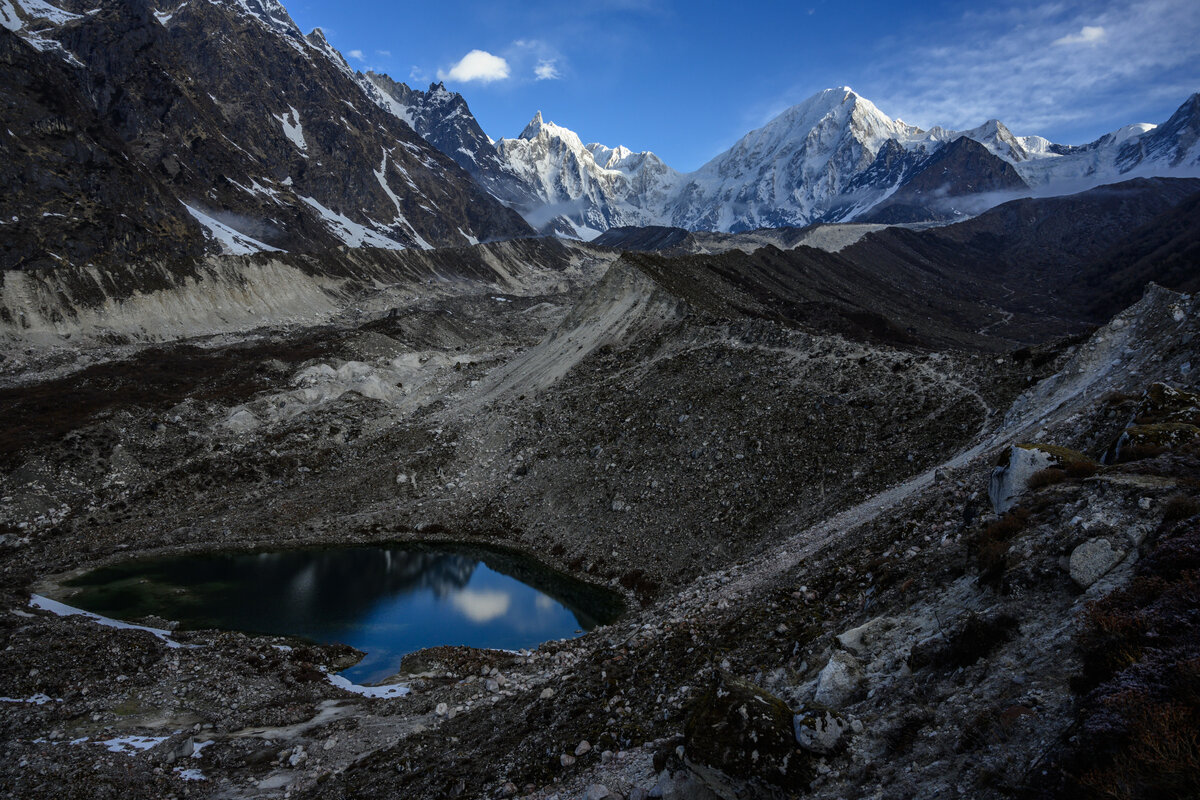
(838, 681)
(1092, 560)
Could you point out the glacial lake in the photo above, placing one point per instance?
(387, 601)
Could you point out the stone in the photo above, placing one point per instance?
(508, 789)
(1141, 440)
(818, 729)
(1162, 403)
(567, 760)
(597, 791)
(583, 748)
(1092, 560)
(839, 680)
(741, 731)
(1010, 479)
(442, 709)
(492, 685)
(547, 693)
(859, 640)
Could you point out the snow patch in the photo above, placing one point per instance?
(231, 241)
(39, 9)
(292, 129)
(132, 745)
(9, 18)
(38, 699)
(349, 231)
(381, 176)
(64, 610)
(368, 691)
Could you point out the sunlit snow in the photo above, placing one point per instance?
(232, 242)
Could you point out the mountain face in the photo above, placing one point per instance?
(215, 126)
(959, 178)
(589, 188)
(442, 118)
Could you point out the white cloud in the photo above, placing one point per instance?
(477, 65)
(357, 55)
(1148, 58)
(384, 53)
(1088, 34)
(546, 70)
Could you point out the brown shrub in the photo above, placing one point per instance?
(1181, 506)
(1078, 470)
(1047, 477)
(1161, 757)
(992, 544)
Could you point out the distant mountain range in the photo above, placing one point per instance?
(153, 130)
(833, 158)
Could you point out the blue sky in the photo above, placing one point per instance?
(687, 80)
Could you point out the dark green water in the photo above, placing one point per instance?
(386, 601)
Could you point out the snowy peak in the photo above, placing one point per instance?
(1127, 132)
(580, 189)
(269, 12)
(533, 128)
(538, 128)
(443, 119)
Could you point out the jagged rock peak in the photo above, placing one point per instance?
(533, 128)
(538, 128)
(269, 12)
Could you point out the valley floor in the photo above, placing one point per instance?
(800, 510)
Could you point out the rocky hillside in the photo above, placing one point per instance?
(223, 127)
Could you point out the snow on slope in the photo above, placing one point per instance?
(231, 241)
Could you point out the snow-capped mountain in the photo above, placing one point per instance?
(833, 158)
(588, 188)
(130, 133)
(271, 141)
(836, 157)
(792, 170)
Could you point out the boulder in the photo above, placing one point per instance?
(818, 729)
(862, 639)
(1019, 463)
(1165, 404)
(745, 733)
(1092, 560)
(1145, 440)
(838, 681)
